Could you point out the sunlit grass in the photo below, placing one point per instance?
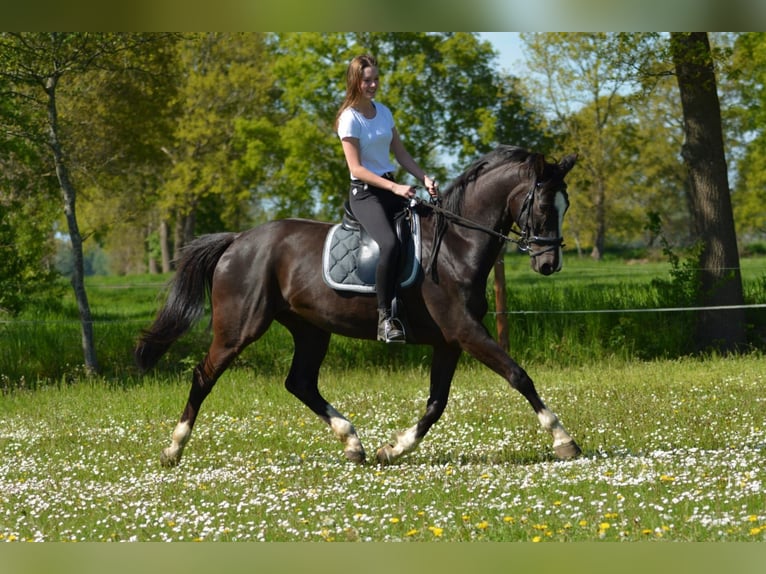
(673, 450)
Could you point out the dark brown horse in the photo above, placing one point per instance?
(273, 272)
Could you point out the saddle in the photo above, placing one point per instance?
(350, 256)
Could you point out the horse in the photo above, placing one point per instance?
(271, 272)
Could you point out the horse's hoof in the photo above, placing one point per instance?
(385, 454)
(567, 451)
(169, 460)
(355, 456)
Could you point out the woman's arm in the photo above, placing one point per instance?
(407, 162)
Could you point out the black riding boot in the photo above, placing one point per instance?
(390, 329)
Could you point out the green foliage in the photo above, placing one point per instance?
(748, 83)
(27, 214)
(596, 91)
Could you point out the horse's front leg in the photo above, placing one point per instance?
(443, 364)
(485, 349)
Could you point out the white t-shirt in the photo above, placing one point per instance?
(374, 136)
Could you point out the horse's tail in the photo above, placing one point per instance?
(185, 302)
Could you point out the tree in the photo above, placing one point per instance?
(589, 86)
(703, 153)
(224, 78)
(38, 67)
(121, 121)
(26, 216)
(747, 87)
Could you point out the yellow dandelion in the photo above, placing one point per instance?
(604, 526)
(436, 531)
(483, 525)
(394, 520)
(556, 503)
(667, 478)
(465, 518)
(583, 523)
(537, 539)
(611, 515)
(752, 518)
(647, 531)
(509, 519)
(412, 532)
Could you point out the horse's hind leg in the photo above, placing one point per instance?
(204, 377)
(311, 345)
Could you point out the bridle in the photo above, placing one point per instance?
(526, 238)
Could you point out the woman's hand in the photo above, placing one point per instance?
(432, 186)
(406, 191)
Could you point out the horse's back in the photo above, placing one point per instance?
(273, 260)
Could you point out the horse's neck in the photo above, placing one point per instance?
(470, 250)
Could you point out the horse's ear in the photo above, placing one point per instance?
(539, 164)
(568, 162)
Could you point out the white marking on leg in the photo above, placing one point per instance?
(550, 422)
(346, 433)
(181, 435)
(406, 442)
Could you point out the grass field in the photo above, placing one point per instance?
(673, 450)
(673, 447)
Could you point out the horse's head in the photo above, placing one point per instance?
(541, 214)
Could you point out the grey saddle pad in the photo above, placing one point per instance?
(350, 257)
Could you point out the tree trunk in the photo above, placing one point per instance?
(713, 220)
(69, 193)
(165, 246)
(184, 232)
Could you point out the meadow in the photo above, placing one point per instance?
(673, 444)
(673, 451)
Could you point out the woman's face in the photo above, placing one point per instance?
(370, 82)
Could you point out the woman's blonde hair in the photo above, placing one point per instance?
(354, 74)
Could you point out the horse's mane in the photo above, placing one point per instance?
(502, 155)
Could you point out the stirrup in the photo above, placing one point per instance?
(391, 330)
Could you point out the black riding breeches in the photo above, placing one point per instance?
(375, 209)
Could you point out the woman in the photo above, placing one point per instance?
(368, 136)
